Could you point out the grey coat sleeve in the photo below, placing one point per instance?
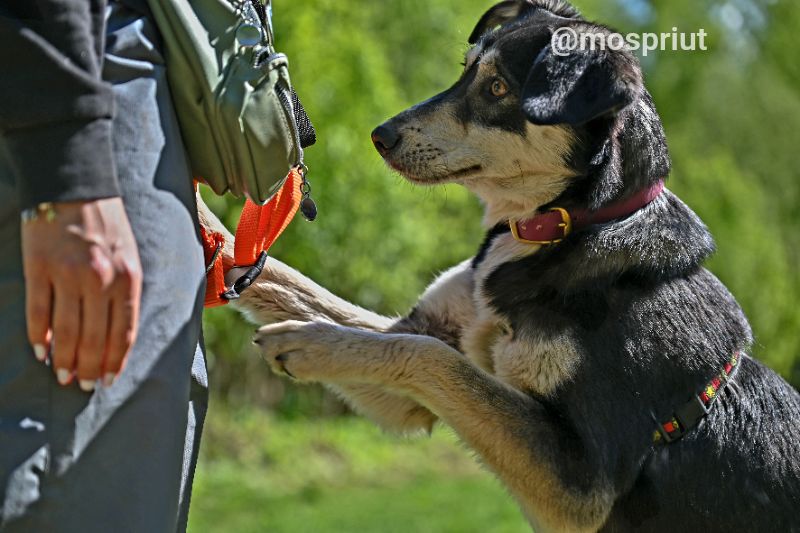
(55, 110)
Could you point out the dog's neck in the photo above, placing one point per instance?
(516, 197)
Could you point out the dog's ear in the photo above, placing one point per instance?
(497, 15)
(580, 86)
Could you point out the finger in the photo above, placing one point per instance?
(124, 310)
(66, 328)
(92, 343)
(38, 308)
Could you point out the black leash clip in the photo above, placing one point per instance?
(246, 279)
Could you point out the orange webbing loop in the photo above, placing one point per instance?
(259, 227)
(215, 273)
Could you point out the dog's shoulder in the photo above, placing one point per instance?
(531, 360)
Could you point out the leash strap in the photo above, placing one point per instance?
(688, 415)
(259, 227)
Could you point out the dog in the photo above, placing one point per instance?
(599, 371)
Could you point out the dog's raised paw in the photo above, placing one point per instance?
(293, 348)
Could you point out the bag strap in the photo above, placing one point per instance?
(259, 227)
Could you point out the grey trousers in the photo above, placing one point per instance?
(122, 458)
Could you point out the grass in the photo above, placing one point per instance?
(260, 473)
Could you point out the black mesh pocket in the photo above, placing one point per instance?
(305, 128)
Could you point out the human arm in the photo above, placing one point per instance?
(83, 276)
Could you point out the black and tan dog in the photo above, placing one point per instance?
(600, 372)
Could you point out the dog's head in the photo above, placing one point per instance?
(525, 126)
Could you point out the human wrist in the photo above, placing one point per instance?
(43, 211)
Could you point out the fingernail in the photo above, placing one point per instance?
(40, 351)
(108, 379)
(86, 385)
(63, 375)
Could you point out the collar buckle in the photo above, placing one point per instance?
(565, 225)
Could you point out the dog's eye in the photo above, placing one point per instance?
(498, 88)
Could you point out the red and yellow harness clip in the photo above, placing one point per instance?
(690, 414)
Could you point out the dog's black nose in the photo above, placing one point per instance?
(385, 138)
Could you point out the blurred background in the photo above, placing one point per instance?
(277, 457)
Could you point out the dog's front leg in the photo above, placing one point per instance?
(511, 431)
(282, 293)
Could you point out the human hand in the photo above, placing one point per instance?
(83, 281)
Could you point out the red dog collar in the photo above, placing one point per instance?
(557, 223)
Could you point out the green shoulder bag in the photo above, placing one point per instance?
(241, 121)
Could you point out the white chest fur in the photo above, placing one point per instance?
(530, 362)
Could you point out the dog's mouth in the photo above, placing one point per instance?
(465, 172)
(434, 179)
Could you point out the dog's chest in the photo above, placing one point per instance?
(532, 362)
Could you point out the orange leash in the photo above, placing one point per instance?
(259, 227)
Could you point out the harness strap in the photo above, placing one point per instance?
(259, 227)
(689, 414)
